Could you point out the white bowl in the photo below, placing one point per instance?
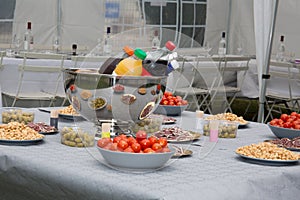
(284, 132)
(170, 110)
(136, 160)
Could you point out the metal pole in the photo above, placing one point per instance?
(265, 74)
(58, 21)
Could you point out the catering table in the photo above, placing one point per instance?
(51, 170)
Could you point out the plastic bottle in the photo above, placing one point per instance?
(280, 50)
(110, 64)
(132, 66)
(222, 45)
(28, 38)
(54, 118)
(155, 41)
(153, 56)
(105, 130)
(107, 48)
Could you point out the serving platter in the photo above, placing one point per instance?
(268, 161)
(21, 142)
(70, 117)
(177, 135)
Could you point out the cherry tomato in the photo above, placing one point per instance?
(131, 140)
(166, 102)
(284, 117)
(145, 143)
(116, 139)
(156, 147)
(165, 149)
(136, 147)
(122, 144)
(149, 150)
(102, 142)
(184, 102)
(163, 142)
(152, 140)
(287, 125)
(140, 135)
(294, 114)
(113, 147)
(168, 93)
(129, 150)
(297, 126)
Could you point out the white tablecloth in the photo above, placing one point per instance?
(54, 171)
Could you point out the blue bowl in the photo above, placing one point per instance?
(170, 110)
(284, 132)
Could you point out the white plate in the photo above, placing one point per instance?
(268, 161)
(21, 142)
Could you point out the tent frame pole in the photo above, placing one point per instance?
(265, 73)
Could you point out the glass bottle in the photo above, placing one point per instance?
(280, 50)
(153, 56)
(107, 48)
(28, 38)
(74, 49)
(132, 66)
(110, 64)
(155, 41)
(222, 45)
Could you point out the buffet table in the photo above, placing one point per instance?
(51, 170)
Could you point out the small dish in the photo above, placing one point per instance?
(97, 103)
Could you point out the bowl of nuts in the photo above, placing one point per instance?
(78, 136)
(17, 115)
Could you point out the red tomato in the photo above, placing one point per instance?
(184, 102)
(156, 147)
(123, 136)
(152, 140)
(179, 98)
(166, 102)
(171, 103)
(165, 149)
(294, 114)
(113, 147)
(168, 93)
(136, 147)
(102, 142)
(116, 139)
(145, 143)
(140, 135)
(297, 126)
(129, 150)
(131, 140)
(284, 117)
(163, 142)
(287, 125)
(274, 122)
(178, 103)
(149, 150)
(122, 144)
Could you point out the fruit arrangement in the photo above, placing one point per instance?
(291, 121)
(140, 144)
(169, 99)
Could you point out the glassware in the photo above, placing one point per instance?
(222, 45)
(28, 38)
(55, 45)
(280, 56)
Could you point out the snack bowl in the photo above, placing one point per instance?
(226, 129)
(170, 110)
(281, 132)
(17, 115)
(78, 136)
(151, 124)
(136, 160)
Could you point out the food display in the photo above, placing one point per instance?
(17, 115)
(168, 120)
(291, 144)
(18, 131)
(42, 127)
(68, 111)
(228, 117)
(291, 121)
(118, 88)
(227, 129)
(169, 99)
(85, 94)
(267, 151)
(150, 124)
(76, 137)
(97, 103)
(176, 134)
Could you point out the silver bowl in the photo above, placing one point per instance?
(100, 97)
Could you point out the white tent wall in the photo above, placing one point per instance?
(82, 22)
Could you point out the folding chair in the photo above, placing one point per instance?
(29, 72)
(289, 93)
(227, 69)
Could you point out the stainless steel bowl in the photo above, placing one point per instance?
(120, 98)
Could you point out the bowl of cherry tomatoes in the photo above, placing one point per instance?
(287, 126)
(171, 105)
(140, 152)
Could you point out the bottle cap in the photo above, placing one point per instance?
(28, 25)
(108, 30)
(140, 54)
(128, 50)
(170, 46)
(223, 34)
